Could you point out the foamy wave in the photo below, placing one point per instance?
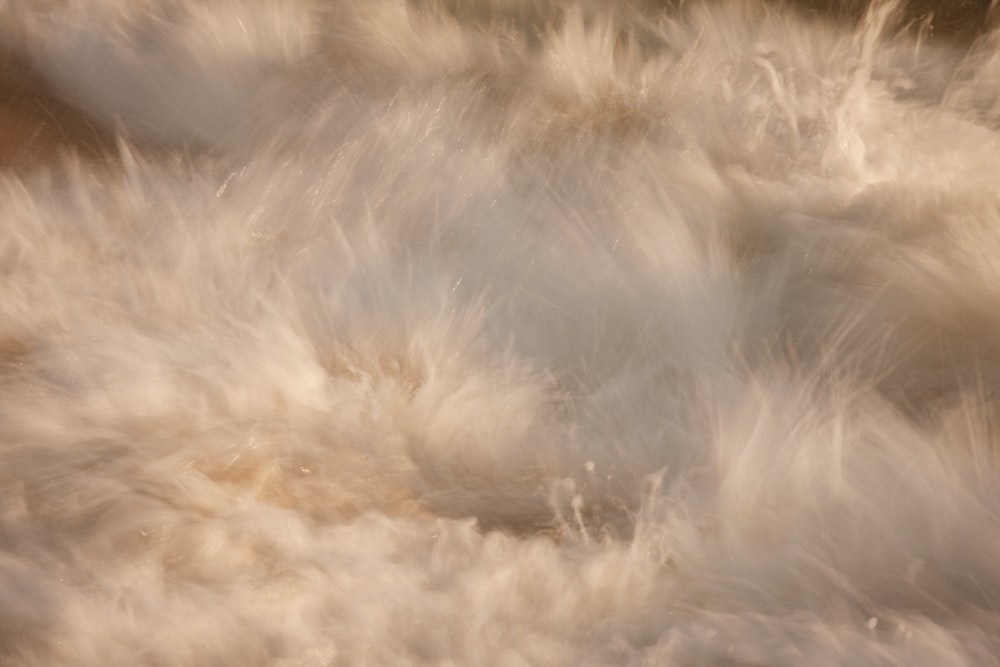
(498, 333)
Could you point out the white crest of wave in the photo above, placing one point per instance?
(502, 333)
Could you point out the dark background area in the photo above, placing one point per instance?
(36, 126)
(954, 19)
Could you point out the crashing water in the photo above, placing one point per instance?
(498, 333)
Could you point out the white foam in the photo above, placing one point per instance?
(439, 336)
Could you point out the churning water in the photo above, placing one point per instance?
(498, 333)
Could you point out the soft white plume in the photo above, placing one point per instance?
(501, 333)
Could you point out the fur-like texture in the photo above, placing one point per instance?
(498, 333)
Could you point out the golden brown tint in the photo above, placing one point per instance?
(37, 127)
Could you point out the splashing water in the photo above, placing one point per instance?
(498, 333)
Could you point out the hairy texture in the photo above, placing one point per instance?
(512, 332)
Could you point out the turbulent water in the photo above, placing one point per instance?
(498, 333)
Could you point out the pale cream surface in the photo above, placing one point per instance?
(497, 333)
